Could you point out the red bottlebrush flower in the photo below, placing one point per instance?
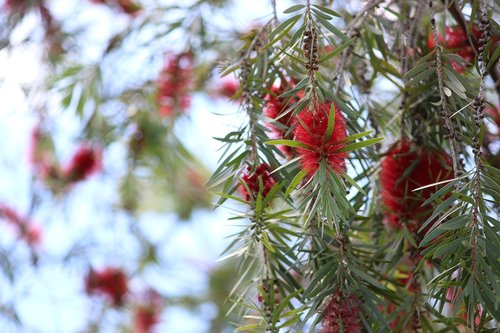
(311, 130)
(275, 109)
(129, 7)
(427, 167)
(456, 38)
(342, 315)
(174, 83)
(32, 234)
(85, 162)
(111, 282)
(228, 87)
(146, 314)
(10, 215)
(260, 181)
(494, 114)
(29, 232)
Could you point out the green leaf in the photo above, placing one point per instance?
(296, 180)
(282, 30)
(293, 9)
(362, 144)
(333, 29)
(353, 182)
(337, 50)
(290, 143)
(327, 10)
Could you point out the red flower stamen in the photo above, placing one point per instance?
(260, 181)
(311, 129)
(398, 182)
(342, 315)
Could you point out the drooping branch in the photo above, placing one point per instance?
(462, 22)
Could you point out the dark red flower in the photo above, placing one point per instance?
(398, 182)
(147, 313)
(85, 162)
(174, 83)
(494, 114)
(455, 38)
(311, 129)
(275, 109)
(258, 181)
(31, 233)
(110, 282)
(342, 315)
(228, 87)
(129, 7)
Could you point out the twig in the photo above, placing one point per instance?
(445, 112)
(462, 22)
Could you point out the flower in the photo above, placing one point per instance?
(146, 314)
(456, 38)
(111, 282)
(31, 233)
(275, 109)
(228, 87)
(85, 161)
(342, 314)
(311, 130)
(127, 6)
(174, 83)
(258, 181)
(404, 169)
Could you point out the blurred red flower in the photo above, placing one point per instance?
(111, 282)
(147, 313)
(174, 83)
(85, 162)
(404, 169)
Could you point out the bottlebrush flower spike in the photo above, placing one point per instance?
(260, 181)
(342, 314)
(228, 87)
(311, 129)
(147, 313)
(111, 282)
(85, 162)
(174, 83)
(397, 183)
(275, 108)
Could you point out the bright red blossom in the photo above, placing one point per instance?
(342, 315)
(174, 84)
(111, 282)
(312, 131)
(228, 87)
(401, 203)
(147, 313)
(85, 162)
(275, 109)
(259, 181)
(456, 38)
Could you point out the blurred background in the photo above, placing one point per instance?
(108, 114)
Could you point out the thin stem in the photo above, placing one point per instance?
(462, 22)
(445, 112)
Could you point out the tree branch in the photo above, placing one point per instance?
(463, 23)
